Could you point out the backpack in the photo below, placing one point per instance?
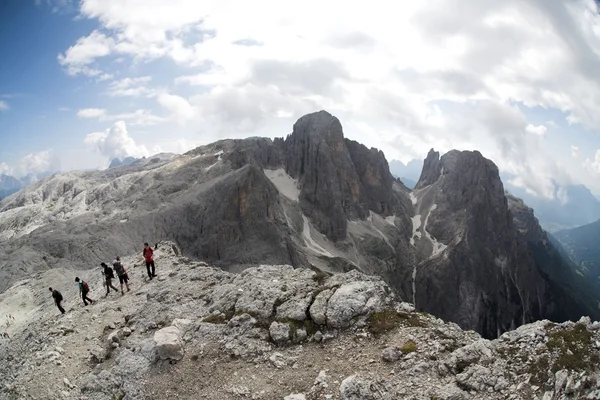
(59, 296)
(118, 268)
(85, 286)
(109, 272)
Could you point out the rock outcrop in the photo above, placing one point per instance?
(200, 332)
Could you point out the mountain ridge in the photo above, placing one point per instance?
(312, 199)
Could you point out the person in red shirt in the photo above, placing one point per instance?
(148, 257)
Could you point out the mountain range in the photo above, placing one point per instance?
(10, 184)
(581, 244)
(456, 246)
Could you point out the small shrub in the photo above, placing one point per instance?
(215, 319)
(409, 347)
(68, 332)
(572, 347)
(387, 320)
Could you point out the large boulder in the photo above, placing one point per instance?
(168, 343)
(353, 300)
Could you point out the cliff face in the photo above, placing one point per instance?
(313, 199)
(477, 263)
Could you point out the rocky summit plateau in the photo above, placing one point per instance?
(292, 268)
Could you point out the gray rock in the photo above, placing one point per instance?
(391, 354)
(352, 300)
(279, 360)
(295, 396)
(168, 343)
(280, 332)
(318, 309)
(318, 336)
(354, 388)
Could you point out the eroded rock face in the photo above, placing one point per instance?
(481, 273)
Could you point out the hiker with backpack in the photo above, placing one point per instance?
(57, 296)
(109, 276)
(84, 289)
(121, 273)
(148, 257)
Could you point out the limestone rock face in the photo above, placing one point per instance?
(476, 267)
(168, 343)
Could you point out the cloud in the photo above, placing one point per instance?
(91, 113)
(594, 165)
(41, 162)
(452, 74)
(181, 110)
(78, 57)
(6, 169)
(138, 117)
(64, 109)
(539, 130)
(3, 106)
(115, 142)
(130, 87)
(574, 151)
(184, 145)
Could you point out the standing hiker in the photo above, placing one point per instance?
(84, 289)
(148, 257)
(121, 273)
(109, 276)
(57, 299)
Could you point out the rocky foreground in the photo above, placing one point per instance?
(273, 332)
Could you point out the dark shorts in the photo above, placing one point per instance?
(123, 279)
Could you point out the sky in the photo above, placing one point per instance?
(82, 82)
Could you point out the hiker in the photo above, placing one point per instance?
(148, 253)
(121, 273)
(84, 289)
(109, 276)
(5, 335)
(57, 299)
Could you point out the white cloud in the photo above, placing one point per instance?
(130, 87)
(137, 117)
(3, 105)
(183, 145)
(180, 109)
(91, 113)
(594, 165)
(78, 57)
(539, 130)
(115, 142)
(447, 74)
(40, 162)
(6, 169)
(574, 151)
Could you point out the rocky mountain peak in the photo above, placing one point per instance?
(431, 169)
(321, 124)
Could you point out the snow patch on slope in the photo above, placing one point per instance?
(416, 223)
(438, 247)
(284, 183)
(413, 198)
